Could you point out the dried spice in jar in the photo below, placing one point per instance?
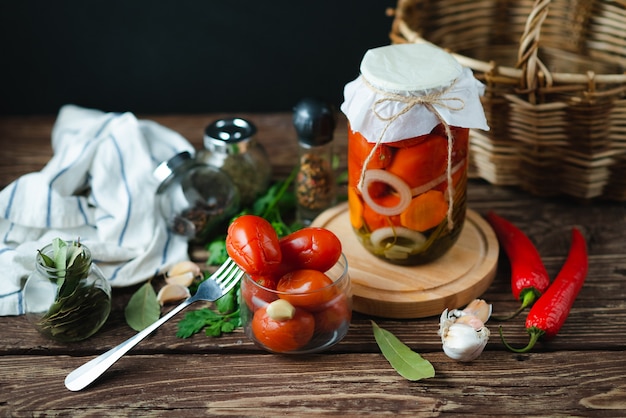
(315, 187)
(314, 183)
(409, 114)
(230, 145)
(195, 199)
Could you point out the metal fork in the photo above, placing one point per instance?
(211, 289)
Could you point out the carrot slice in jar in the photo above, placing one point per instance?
(359, 149)
(421, 163)
(409, 142)
(459, 134)
(355, 208)
(375, 220)
(425, 211)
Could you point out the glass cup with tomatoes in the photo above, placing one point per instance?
(304, 311)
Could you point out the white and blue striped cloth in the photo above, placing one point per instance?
(99, 188)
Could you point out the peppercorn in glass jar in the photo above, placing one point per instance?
(315, 187)
(409, 116)
(194, 198)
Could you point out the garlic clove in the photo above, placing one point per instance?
(280, 310)
(184, 279)
(182, 268)
(172, 293)
(445, 321)
(478, 308)
(471, 320)
(464, 343)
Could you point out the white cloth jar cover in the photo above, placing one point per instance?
(397, 80)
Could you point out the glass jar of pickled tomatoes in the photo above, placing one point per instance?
(409, 117)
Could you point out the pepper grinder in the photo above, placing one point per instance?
(315, 187)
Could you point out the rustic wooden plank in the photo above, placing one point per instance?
(597, 321)
(563, 383)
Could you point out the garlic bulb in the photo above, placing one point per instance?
(463, 332)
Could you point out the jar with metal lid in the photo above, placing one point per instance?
(194, 198)
(409, 114)
(230, 145)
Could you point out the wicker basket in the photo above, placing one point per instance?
(556, 87)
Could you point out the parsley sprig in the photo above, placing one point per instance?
(224, 319)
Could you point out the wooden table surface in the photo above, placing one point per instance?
(582, 372)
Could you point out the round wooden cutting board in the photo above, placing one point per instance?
(390, 291)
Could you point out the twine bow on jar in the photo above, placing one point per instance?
(429, 101)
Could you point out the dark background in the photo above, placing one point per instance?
(183, 56)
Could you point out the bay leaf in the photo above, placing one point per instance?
(48, 262)
(57, 243)
(142, 309)
(405, 361)
(73, 253)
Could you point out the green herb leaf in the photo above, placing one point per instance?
(228, 302)
(214, 329)
(57, 244)
(406, 362)
(194, 321)
(214, 322)
(60, 253)
(76, 267)
(143, 309)
(229, 326)
(48, 262)
(73, 253)
(269, 205)
(217, 251)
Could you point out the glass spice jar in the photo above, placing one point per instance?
(409, 115)
(194, 198)
(315, 187)
(67, 298)
(231, 146)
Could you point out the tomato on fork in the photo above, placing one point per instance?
(253, 244)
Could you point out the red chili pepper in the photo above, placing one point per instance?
(549, 313)
(529, 278)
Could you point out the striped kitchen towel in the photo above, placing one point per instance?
(98, 187)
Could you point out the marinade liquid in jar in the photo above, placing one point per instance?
(409, 116)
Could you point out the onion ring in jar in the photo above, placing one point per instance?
(378, 236)
(401, 188)
(436, 182)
